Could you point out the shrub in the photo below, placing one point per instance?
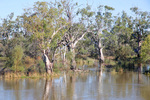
(123, 52)
(69, 55)
(28, 61)
(16, 58)
(41, 66)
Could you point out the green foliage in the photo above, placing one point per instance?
(28, 61)
(69, 55)
(145, 49)
(85, 46)
(85, 12)
(109, 8)
(84, 60)
(16, 57)
(46, 22)
(123, 52)
(110, 62)
(56, 69)
(40, 66)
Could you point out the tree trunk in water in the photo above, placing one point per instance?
(48, 64)
(73, 61)
(139, 67)
(101, 56)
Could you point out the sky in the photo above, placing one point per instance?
(17, 6)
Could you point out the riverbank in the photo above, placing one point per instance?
(11, 74)
(82, 64)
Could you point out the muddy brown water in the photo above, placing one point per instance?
(84, 86)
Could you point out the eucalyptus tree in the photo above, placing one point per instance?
(10, 31)
(6, 31)
(46, 24)
(7, 27)
(141, 23)
(77, 29)
(103, 22)
(11, 42)
(121, 35)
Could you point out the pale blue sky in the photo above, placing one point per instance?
(17, 6)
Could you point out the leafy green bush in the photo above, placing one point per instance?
(28, 61)
(123, 52)
(41, 66)
(69, 55)
(16, 58)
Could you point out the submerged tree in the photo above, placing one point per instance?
(103, 23)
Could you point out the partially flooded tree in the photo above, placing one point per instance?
(77, 29)
(46, 24)
(141, 24)
(103, 22)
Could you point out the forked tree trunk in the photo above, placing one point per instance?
(48, 64)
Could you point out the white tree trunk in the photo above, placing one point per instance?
(48, 64)
(64, 55)
(101, 56)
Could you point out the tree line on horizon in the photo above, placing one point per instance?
(61, 31)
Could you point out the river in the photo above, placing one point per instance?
(94, 85)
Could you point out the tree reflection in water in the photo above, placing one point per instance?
(48, 85)
(139, 73)
(94, 85)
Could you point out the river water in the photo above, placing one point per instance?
(82, 86)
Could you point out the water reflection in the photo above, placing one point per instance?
(48, 85)
(20, 89)
(96, 85)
